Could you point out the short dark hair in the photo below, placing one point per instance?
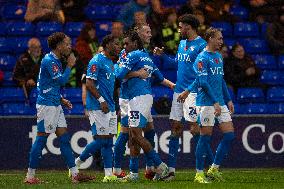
(190, 20)
(54, 39)
(107, 39)
(133, 36)
(210, 32)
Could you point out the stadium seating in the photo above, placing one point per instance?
(73, 29)
(276, 108)
(275, 94)
(47, 28)
(72, 94)
(265, 61)
(281, 62)
(77, 109)
(103, 28)
(20, 29)
(246, 29)
(8, 80)
(3, 29)
(19, 44)
(5, 46)
(246, 95)
(254, 46)
(225, 27)
(161, 91)
(254, 108)
(239, 12)
(7, 62)
(272, 77)
(12, 94)
(8, 12)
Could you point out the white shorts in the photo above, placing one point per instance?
(186, 109)
(207, 117)
(103, 124)
(123, 104)
(49, 118)
(139, 111)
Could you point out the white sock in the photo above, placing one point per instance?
(108, 171)
(199, 171)
(74, 171)
(171, 169)
(117, 170)
(215, 166)
(134, 174)
(30, 173)
(78, 162)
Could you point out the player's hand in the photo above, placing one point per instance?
(71, 60)
(104, 107)
(172, 86)
(182, 96)
(217, 108)
(158, 51)
(66, 103)
(143, 73)
(231, 107)
(30, 83)
(86, 113)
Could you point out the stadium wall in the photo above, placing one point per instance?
(259, 142)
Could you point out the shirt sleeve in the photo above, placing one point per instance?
(202, 75)
(158, 75)
(123, 69)
(93, 70)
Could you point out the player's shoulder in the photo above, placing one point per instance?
(135, 54)
(48, 59)
(201, 42)
(97, 59)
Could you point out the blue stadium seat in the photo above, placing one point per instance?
(44, 45)
(275, 94)
(230, 42)
(7, 62)
(153, 111)
(255, 108)
(3, 29)
(72, 94)
(99, 12)
(171, 75)
(250, 95)
(272, 77)
(276, 108)
(5, 45)
(12, 94)
(47, 28)
(161, 91)
(8, 12)
(246, 29)
(103, 28)
(255, 46)
(33, 95)
(281, 62)
(116, 10)
(265, 61)
(167, 65)
(77, 109)
(17, 109)
(8, 80)
(73, 29)
(240, 12)
(20, 44)
(232, 94)
(237, 108)
(264, 29)
(20, 29)
(225, 27)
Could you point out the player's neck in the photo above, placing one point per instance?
(192, 37)
(57, 54)
(107, 54)
(210, 48)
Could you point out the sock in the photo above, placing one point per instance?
(66, 150)
(155, 157)
(134, 163)
(78, 162)
(223, 147)
(74, 171)
(173, 150)
(210, 156)
(106, 151)
(150, 136)
(172, 169)
(108, 172)
(215, 166)
(36, 151)
(201, 151)
(119, 150)
(30, 173)
(91, 149)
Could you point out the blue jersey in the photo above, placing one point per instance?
(185, 57)
(51, 78)
(121, 61)
(101, 69)
(211, 85)
(136, 60)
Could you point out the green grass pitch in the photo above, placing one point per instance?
(235, 178)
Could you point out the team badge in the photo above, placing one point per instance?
(93, 68)
(216, 60)
(200, 65)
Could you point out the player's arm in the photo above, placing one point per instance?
(160, 52)
(160, 79)
(182, 96)
(227, 97)
(142, 74)
(122, 71)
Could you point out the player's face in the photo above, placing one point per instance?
(65, 47)
(145, 34)
(115, 47)
(128, 45)
(183, 30)
(217, 41)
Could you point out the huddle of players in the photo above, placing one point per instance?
(206, 96)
